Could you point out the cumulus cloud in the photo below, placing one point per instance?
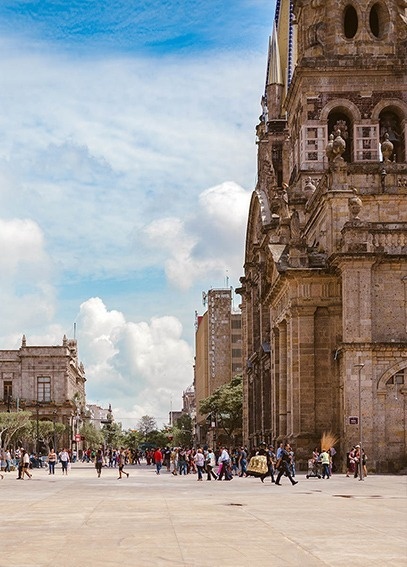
(26, 293)
(208, 244)
(137, 367)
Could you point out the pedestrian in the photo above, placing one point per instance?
(242, 461)
(25, 457)
(64, 460)
(7, 456)
(224, 463)
(200, 463)
(122, 462)
(52, 459)
(210, 464)
(182, 461)
(324, 459)
(158, 460)
(283, 465)
(99, 462)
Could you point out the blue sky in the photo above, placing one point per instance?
(127, 162)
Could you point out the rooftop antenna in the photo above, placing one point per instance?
(204, 298)
(227, 278)
(74, 331)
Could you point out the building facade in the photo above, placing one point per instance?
(49, 381)
(218, 352)
(324, 292)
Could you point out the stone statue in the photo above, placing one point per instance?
(281, 198)
(328, 149)
(387, 148)
(309, 188)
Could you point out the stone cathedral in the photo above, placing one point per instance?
(324, 291)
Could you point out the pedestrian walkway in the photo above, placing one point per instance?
(165, 520)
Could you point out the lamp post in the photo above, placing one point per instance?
(54, 415)
(359, 367)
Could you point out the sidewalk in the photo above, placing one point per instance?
(176, 521)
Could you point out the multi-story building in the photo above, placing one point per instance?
(324, 294)
(218, 350)
(49, 381)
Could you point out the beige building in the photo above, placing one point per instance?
(218, 351)
(49, 381)
(325, 275)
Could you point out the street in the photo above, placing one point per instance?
(176, 521)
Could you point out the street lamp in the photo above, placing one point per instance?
(359, 367)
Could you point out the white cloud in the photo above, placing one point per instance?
(136, 367)
(210, 243)
(27, 295)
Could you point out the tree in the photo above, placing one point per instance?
(226, 406)
(11, 424)
(93, 437)
(113, 434)
(183, 431)
(146, 425)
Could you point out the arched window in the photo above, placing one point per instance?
(391, 123)
(374, 20)
(350, 22)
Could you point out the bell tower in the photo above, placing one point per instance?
(325, 281)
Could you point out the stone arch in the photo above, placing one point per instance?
(344, 105)
(381, 383)
(341, 114)
(391, 115)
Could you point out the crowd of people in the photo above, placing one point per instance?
(206, 462)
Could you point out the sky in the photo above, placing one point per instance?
(127, 164)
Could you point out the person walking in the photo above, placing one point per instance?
(64, 460)
(99, 459)
(122, 462)
(210, 465)
(224, 462)
(7, 457)
(158, 460)
(52, 459)
(283, 465)
(325, 461)
(25, 458)
(200, 463)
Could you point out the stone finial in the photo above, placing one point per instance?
(338, 146)
(64, 341)
(355, 206)
(387, 148)
(24, 341)
(328, 149)
(309, 188)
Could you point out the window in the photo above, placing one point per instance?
(43, 389)
(7, 390)
(313, 144)
(350, 22)
(236, 323)
(374, 20)
(236, 352)
(397, 378)
(367, 143)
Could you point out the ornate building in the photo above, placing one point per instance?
(324, 292)
(49, 381)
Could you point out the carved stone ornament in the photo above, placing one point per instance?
(338, 146)
(309, 188)
(387, 148)
(355, 206)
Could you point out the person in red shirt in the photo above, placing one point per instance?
(158, 459)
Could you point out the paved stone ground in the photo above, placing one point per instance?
(177, 521)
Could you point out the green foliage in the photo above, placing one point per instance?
(12, 425)
(132, 439)
(226, 405)
(93, 438)
(146, 425)
(183, 432)
(113, 435)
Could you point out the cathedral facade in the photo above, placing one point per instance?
(324, 292)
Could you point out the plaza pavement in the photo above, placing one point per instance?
(176, 521)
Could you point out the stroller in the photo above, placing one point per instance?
(314, 469)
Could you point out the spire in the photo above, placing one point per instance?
(274, 74)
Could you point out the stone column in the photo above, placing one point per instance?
(282, 383)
